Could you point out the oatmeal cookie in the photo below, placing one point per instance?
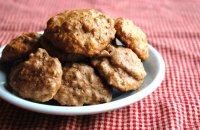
(38, 78)
(122, 70)
(115, 76)
(20, 47)
(80, 85)
(84, 32)
(126, 59)
(132, 36)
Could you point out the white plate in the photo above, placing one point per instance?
(154, 66)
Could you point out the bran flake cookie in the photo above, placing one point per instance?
(132, 36)
(84, 32)
(122, 70)
(80, 85)
(21, 47)
(38, 78)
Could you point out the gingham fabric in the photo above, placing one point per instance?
(172, 27)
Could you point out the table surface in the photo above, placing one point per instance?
(172, 27)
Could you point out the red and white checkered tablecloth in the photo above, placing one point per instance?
(173, 28)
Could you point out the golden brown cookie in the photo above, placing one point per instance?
(132, 36)
(38, 78)
(122, 70)
(62, 56)
(126, 59)
(80, 85)
(84, 32)
(20, 47)
(115, 76)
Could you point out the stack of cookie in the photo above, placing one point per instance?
(78, 59)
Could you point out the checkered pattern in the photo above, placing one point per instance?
(173, 28)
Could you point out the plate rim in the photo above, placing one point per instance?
(93, 109)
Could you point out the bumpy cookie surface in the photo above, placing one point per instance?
(62, 56)
(80, 85)
(126, 59)
(122, 70)
(132, 36)
(38, 78)
(20, 47)
(84, 32)
(115, 76)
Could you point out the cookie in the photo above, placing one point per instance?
(122, 70)
(38, 78)
(126, 59)
(85, 32)
(80, 85)
(132, 36)
(115, 76)
(62, 56)
(20, 47)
